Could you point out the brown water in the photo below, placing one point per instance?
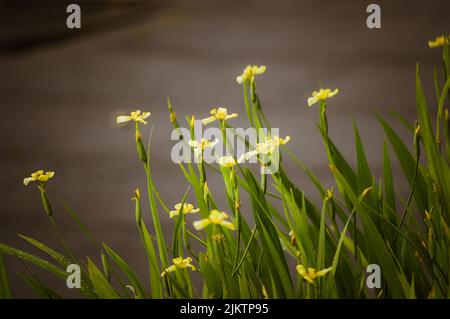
(60, 94)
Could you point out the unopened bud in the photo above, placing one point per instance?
(45, 201)
(173, 117)
(140, 147)
(138, 215)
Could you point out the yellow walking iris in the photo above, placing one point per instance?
(137, 116)
(249, 73)
(38, 176)
(310, 274)
(187, 209)
(215, 217)
(321, 95)
(439, 41)
(265, 148)
(179, 263)
(199, 147)
(227, 161)
(219, 114)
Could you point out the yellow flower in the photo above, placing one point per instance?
(199, 147)
(205, 189)
(311, 274)
(215, 217)
(179, 263)
(366, 191)
(264, 292)
(218, 238)
(439, 41)
(136, 195)
(322, 95)
(219, 114)
(227, 161)
(329, 194)
(293, 238)
(249, 73)
(39, 176)
(187, 209)
(428, 215)
(136, 116)
(266, 148)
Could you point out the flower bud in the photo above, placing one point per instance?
(137, 198)
(417, 140)
(140, 147)
(45, 201)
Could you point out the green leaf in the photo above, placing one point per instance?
(102, 287)
(177, 236)
(407, 162)
(5, 292)
(389, 192)
(154, 270)
(129, 272)
(364, 176)
(40, 288)
(58, 257)
(274, 257)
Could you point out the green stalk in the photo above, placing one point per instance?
(247, 104)
(413, 186)
(48, 209)
(61, 239)
(155, 217)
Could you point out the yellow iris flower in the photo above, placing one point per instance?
(199, 147)
(137, 116)
(321, 95)
(439, 41)
(38, 176)
(187, 209)
(219, 114)
(265, 148)
(310, 274)
(215, 217)
(249, 73)
(227, 161)
(179, 263)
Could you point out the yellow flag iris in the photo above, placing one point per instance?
(215, 217)
(38, 176)
(321, 95)
(187, 209)
(137, 116)
(310, 274)
(219, 114)
(179, 263)
(249, 73)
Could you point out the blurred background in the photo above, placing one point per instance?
(61, 89)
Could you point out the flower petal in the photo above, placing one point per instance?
(123, 119)
(336, 91)
(228, 225)
(232, 116)
(323, 272)
(261, 69)
(208, 120)
(174, 213)
(27, 180)
(312, 101)
(200, 224)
